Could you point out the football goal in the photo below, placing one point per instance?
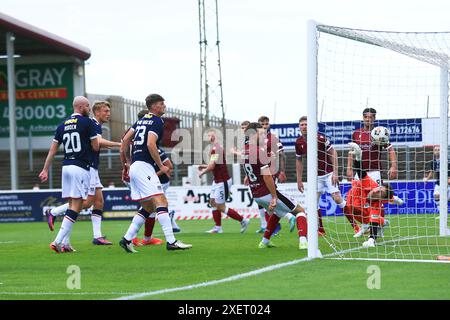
(395, 190)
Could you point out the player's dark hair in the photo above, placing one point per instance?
(252, 128)
(142, 113)
(153, 98)
(263, 118)
(369, 110)
(245, 123)
(304, 118)
(389, 190)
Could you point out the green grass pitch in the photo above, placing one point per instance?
(30, 270)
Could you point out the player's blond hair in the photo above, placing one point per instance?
(98, 105)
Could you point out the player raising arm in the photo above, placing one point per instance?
(371, 152)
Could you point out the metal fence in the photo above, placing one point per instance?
(124, 114)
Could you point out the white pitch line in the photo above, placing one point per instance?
(210, 283)
(60, 293)
(391, 260)
(6, 242)
(232, 278)
(251, 273)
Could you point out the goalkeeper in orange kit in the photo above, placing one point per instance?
(365, 202)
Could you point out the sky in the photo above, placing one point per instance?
(145, 46)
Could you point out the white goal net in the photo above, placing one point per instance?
(399, 80)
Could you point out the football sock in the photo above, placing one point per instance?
(233, 214)
(59, 211)
(96, 218)
(262, 217)
(66, 225)
(149, 225)
(373, 230)
(302, 224)
(66, 240)
(271, 225)
(319, 212)
(136, 224)
(166, 225)
(349, 215)
(217, 216)
(174, 223)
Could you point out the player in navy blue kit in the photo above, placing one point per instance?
(79, 138)
(150, 221)
(433, 172)
(145, 186)
(102, 113)
(165, 181)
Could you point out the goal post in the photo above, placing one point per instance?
(443, 173)
(403, 78)
(311, 195)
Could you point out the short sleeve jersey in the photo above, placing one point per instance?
(371, 152)
(220, 171)
(255, 160)
(96, 155)
(162, 178)
(76, 133)
(148, 124)
(324, 164)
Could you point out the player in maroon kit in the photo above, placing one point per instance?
(328, 180)
(221, 185)
(371, 153)
(274, 146)
(257, 167)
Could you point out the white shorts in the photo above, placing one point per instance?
(75, 182)
(220, 191)
(94, 182)
(437, 191)
(324, 184)
(144, 183)
(165, 186)
(374, 175)
(284, 206)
